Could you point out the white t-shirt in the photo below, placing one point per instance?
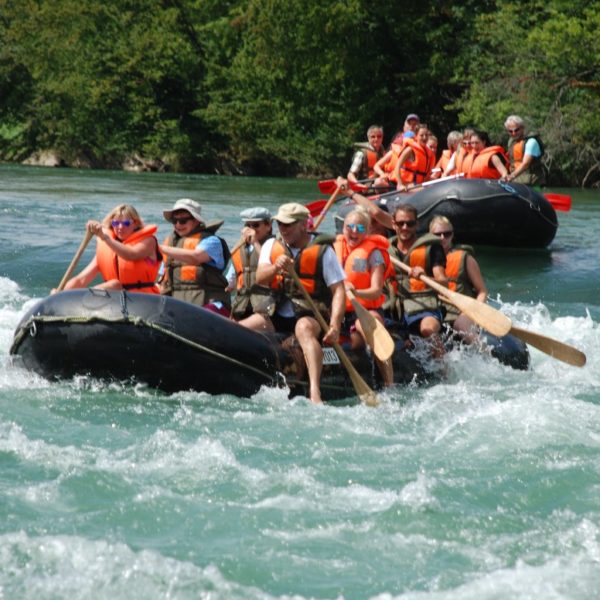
(332, 271)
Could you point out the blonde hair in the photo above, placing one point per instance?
(362, 215)
(440, 219)
(125, 210)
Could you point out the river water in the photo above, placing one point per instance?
(485, 486)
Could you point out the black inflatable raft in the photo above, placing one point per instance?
(483, 212)
(176, 346)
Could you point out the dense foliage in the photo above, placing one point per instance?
(286, 86)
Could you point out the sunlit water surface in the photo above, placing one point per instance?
(484, 486)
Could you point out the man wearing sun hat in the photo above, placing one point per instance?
(313, 258)
(195, 259)
(241, 275)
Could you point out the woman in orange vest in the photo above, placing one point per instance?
(453, 141)
(415, 162)
(365, 260)
(127, 254)
(489, 162)
(464, 277)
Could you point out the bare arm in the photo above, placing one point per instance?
(495, 160)
(338, 307)
(374, 211)
(380, 164)
(406, 154)
(527, 160)
(85, 277)
(476, 278)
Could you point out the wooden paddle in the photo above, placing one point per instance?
(484, 315)
(550, 346)
(363, 391)
(326, 208)
(86, 240)
(377, 335)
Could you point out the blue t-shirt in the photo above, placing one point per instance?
(532, 148)
(213, 247)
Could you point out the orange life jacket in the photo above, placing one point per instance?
(481, 168)
(444, 160)
(371, 156)
(137, 275)
(245, 264)
(308, 264)
(464, 158)
(390, 165)
(355, 263)
(417, 170)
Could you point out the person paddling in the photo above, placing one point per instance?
(241, 275)
(127, 254)
(365, 260)
(464, 277)
(313, 259)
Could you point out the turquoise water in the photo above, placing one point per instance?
(484, 486)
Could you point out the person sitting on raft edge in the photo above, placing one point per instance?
(127, 254)
(195, 258)
(312, 257)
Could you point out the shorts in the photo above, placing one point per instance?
(412, 321)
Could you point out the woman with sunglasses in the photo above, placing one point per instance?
(195, 259)
(365, 260)
(464, 276)
(488, 161)
(127, 254)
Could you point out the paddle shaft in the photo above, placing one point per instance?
(364, 392)
(559, 350)
(86, 240)
(326, 208)
(484, 315)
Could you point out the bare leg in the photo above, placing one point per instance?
(258, 322)
(466, 328)
(307, 330)
(429, 327)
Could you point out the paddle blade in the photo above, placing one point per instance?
(327, 186)
(559, 350)
(378, 337)
(316, 207)
(559, 201)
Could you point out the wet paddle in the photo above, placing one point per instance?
(377, 335)
(484, 315)
(326, 208)
(550, 346)
(559, 201)
(363, 391)
(75, 261)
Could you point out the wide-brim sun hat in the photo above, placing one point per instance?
(291, 212)
(188, 204)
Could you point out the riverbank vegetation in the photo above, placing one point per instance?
(284, 87)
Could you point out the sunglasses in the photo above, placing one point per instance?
(401, 224)
(253, 224)
(514, 130)
(444, 234)
(125, 223)
(180, 220)
(357, 227)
